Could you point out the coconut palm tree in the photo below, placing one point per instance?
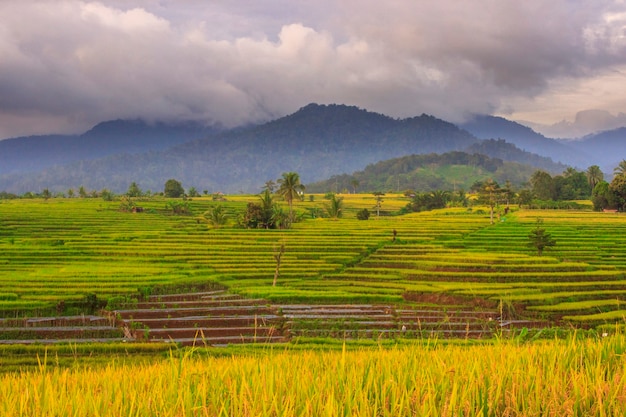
(289, 188)
(594, 176)
(334, 207)
(216, 216)
(620, 169)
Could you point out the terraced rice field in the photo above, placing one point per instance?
(72, 256)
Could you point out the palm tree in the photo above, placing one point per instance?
(216, 216)
(269, 186)
(334, 207)
(620, 169)
(594, 176)
(289, 189)
(439, 198)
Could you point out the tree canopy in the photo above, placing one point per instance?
(173, 189)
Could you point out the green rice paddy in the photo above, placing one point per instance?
(59, 252)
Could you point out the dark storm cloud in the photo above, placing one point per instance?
(69, 64)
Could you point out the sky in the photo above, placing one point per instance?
(65, 65)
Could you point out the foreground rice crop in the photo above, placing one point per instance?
(560, 378)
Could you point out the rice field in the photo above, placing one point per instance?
(57, 255)
(68, 257)
(557, 378)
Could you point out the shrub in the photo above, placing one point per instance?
(363, 214)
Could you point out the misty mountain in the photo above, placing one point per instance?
(34, 153)
(607, 148)
(501, 149)
(317, 141)
(492, 127)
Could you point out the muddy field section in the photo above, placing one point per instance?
(217, 318)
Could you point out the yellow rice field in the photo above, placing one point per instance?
(551, 378)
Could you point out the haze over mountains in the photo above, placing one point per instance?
(317, 141)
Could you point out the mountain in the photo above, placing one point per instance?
(34, 153)
(501, 149)
(586, 122)
(606, 148)
(492, 127)
(448, 171)
(317, 141)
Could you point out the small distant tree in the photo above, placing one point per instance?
(363, 214)
(262, 215)
(620, 169)
(539, 238)
(173, 189)
(216, 216)
(489, 195)
(334, 207)
(127, 204)
(594, 176)
(70, 193)
(134, 190)
(106, 194)
(193, 192)
(543, 185)
(524, 198)
(603, 197)
(289, 189)
(379, 201)
(278, 254)
(178, 207)
(82, 193)
(269, 186)
(617, 188)
(355, 184)
(46, 194)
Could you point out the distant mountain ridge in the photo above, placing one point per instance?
(492, 127)
(34, 153)
(608, 148)
(317, 141)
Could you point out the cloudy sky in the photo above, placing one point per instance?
(68, 64)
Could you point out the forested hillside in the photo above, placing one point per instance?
(448, 171)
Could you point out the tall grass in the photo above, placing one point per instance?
(556, 378)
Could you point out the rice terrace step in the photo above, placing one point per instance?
(217, 318)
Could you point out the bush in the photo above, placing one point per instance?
(363, 214)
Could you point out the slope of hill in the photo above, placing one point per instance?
(35, 153)
(491, 127)
(448, 171)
